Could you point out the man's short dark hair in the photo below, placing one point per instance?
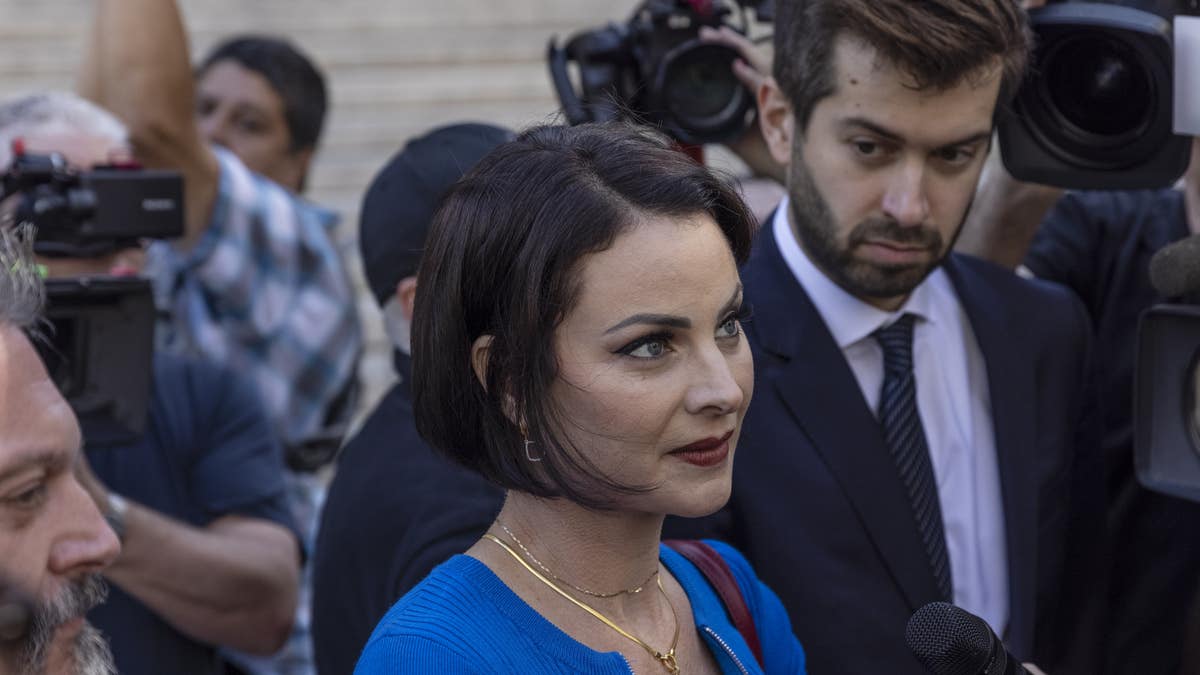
(938, 43)
(290, 73)
(502, 259)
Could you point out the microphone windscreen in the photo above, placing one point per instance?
(1175, 269)
(949, 640)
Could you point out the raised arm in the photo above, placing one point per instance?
(137, 66)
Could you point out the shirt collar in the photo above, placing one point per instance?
(849, 319)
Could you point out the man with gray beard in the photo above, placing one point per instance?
(53, 540)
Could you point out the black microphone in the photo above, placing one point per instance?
(949, 640)
(1175, 269)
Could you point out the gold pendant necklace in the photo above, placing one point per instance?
(667, 659)
(595, 594)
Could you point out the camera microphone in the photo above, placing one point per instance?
(949, 640)
(1175, 269)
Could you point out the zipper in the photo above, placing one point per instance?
(728, 650)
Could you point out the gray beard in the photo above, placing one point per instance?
(92, 654)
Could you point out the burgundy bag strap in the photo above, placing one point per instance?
(716, 570)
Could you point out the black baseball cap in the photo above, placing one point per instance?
(401, 201)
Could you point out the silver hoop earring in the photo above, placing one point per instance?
(528, 454)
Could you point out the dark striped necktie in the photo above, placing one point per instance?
(905, 438)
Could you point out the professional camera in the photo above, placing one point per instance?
(102, 328)
(1167, 376)
(1097, 111)
(654, 69)
(90, 213)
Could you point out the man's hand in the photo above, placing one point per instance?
(752, 70)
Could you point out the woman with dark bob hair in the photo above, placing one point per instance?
(577, 341)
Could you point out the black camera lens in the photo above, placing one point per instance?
(1099, 86)
(700, 85)
(1095, 99)
(702, 99)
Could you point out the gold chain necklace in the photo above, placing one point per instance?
(595, 594)
(667, 659)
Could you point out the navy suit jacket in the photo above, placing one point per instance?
(820, 511)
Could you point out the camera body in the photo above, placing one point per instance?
(1167, 400)
(100, 351)
(90, 213)
(654, 69)
(101, 340)
(1097, 110)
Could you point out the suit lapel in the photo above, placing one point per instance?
(1013, 397)
(819, 389)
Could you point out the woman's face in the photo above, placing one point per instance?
(654, 371)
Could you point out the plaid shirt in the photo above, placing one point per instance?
(265, 292)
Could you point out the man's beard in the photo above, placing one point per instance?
(816, 228)
(91, 653)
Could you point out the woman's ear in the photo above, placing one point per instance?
(479, 363)
(479, 358)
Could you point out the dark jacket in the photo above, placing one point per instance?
(396, 509)
(821, 513)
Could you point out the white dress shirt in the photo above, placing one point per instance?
(955, 410)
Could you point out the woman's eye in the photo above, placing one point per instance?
(728, 329)
(649, 349)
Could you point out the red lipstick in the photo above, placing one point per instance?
(706, 451)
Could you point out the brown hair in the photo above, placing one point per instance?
(939, 43)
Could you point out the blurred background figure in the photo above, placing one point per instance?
(54, 543)
(211, 555)
(256, 283)
(396, 508)
(265, 101)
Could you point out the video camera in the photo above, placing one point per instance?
(102, 328)
(654, 69)
(1100, 108)
(1167, 375)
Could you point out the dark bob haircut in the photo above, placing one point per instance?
(502, 259)
(289, 72)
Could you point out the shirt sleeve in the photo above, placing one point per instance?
(238, 467)
(265, 292)
(781, 649)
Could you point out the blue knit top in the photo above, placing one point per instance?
(463, 619)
